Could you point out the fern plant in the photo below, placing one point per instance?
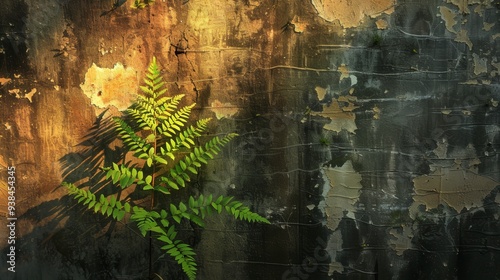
(165, 155)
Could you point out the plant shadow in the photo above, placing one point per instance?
(65, 240)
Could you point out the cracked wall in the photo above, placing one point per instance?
(369, 131)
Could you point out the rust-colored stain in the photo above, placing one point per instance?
(352, 13)
(22, 120)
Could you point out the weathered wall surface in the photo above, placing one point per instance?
(369, 133)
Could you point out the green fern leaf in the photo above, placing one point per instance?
(156, 131)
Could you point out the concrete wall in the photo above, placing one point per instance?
(369, 133)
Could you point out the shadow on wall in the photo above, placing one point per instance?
(67, 241)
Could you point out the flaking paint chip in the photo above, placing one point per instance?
(115, 86)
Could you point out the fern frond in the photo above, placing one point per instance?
(146, 220)
(184, 255)
(143, 113)
(237, 209)
(158, 133)
(153, 79)
(179, 174)
(187, 136)
(170, 103)
(127, 176)
(173, 124)
(105, 205)
(197, 209)
(134, 142)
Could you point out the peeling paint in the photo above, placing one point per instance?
(321, 92)
(341, 193)
(381, 24)
(298, 25)
(334, 246)
(339, 110)
(15, 91)
(442, 148)
(4, 81)
(481, 6)
(488, 26)
(446, 111)
(453, 186)
(344, 71)
(223, 110)
(340, 117)
(462, 5)
(228, 45)
(480, 64)
(401, 239)
(449, 17)
(496, 65)
(376, 112)
(30, 94)
(463, 37)
(111, 87)
(351, 13)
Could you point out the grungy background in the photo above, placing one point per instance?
(369, 133)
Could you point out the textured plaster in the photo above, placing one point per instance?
(417, 84)
(351, 13)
